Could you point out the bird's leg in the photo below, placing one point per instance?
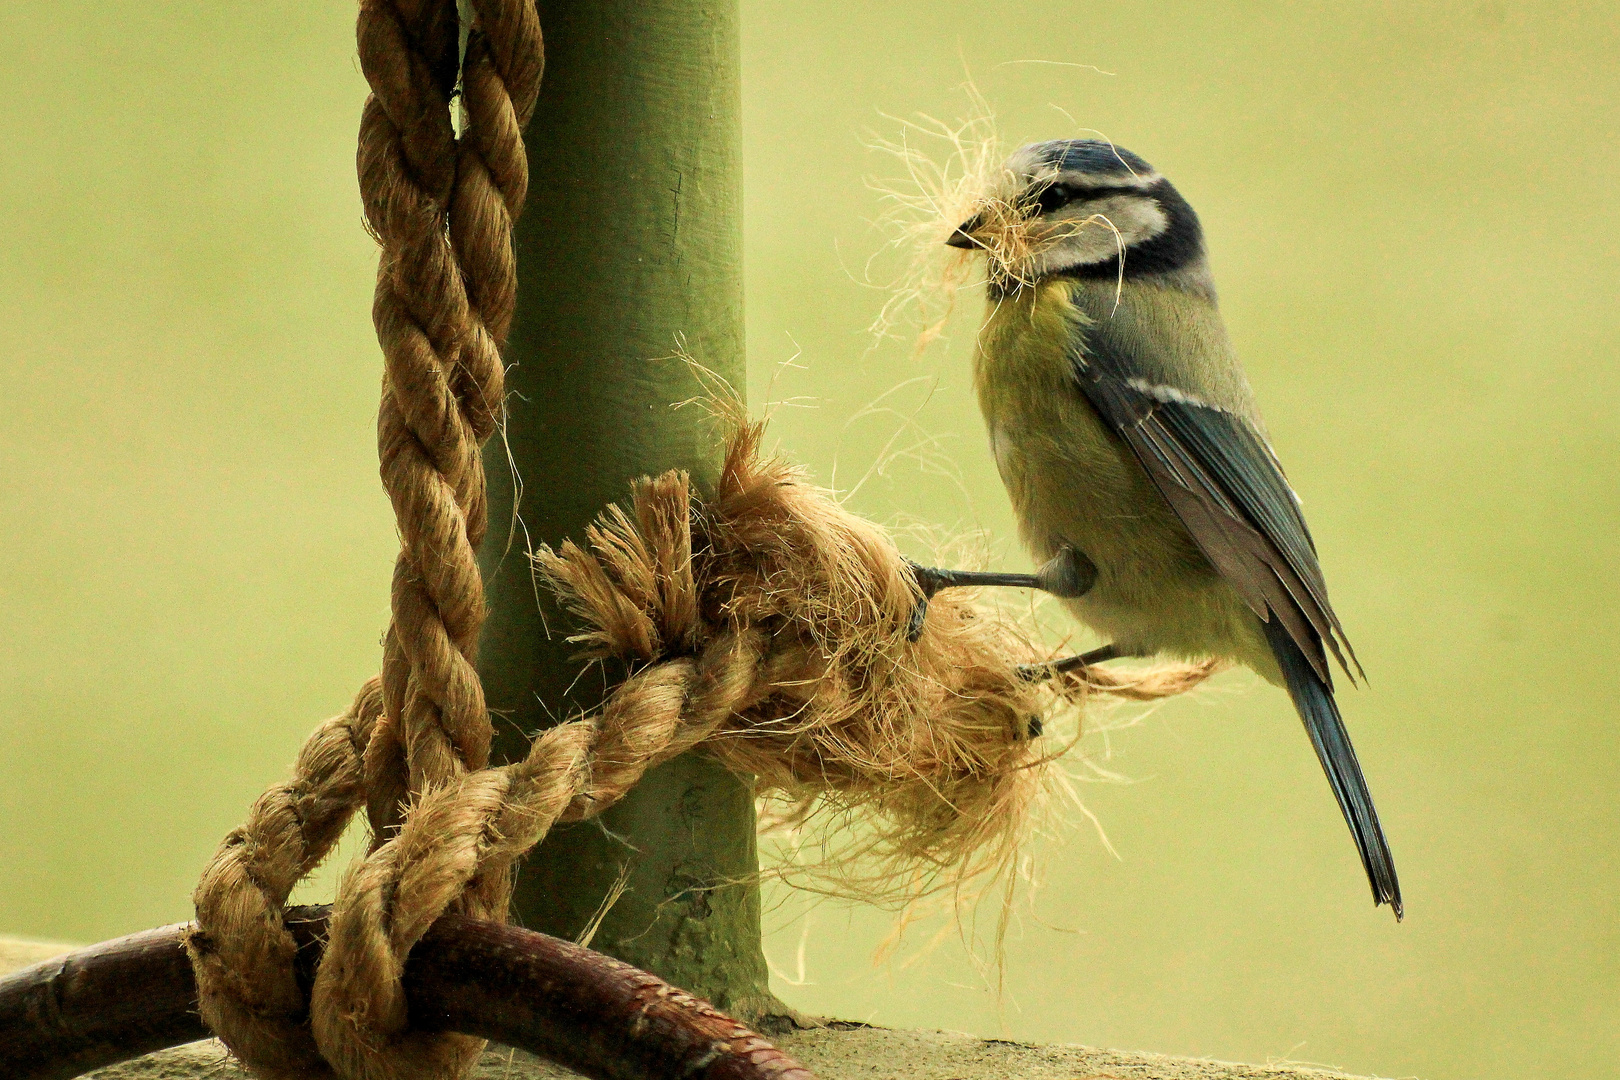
(1068, 574)
(1072, 663)
(931, 579)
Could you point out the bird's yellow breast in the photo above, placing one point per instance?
(1073, 481)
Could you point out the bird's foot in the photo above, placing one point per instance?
(1068, 574)
(1035, 672)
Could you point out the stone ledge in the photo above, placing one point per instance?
(839, 1052)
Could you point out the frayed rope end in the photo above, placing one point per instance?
(931, 742)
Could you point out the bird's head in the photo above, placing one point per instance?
(1081, 208)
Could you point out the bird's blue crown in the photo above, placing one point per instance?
(1092, 157)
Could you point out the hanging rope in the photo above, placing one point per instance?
(442, 210)
(443, 308)
(442, 312)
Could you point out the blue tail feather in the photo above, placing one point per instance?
(1313, 698)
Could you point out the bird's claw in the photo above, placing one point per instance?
(919, 615)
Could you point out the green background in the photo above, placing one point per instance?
(1413, 219)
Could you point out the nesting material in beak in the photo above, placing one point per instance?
(964, 201)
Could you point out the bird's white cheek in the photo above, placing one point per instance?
(1095, 232)
(1137, 219)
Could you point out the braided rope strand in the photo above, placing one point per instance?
(445, 297)
(500, 82)
(427, 447)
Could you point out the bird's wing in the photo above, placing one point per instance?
(1225, 484)
(1223, 481)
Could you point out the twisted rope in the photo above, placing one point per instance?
(478, 826)
(427, 436)
(446, 289)
(769, 625)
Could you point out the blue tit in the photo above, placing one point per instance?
(1129, 441)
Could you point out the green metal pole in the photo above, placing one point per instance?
(630, 247)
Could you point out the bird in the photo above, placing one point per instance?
(1130, 444)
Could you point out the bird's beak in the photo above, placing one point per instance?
(963, 236)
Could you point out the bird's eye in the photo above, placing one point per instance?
(1055, 197)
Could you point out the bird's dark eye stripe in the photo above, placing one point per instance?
(1056, 196)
